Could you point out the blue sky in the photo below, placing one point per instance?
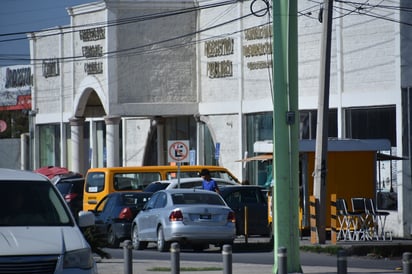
(25, 16)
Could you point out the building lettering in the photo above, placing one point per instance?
(92, 51)
(93, 68)
(256, 33)
(259, 65)
(18, 77)
(220, 69)
(257, 49)
(50, 68)
(93, 34)
(219, 47)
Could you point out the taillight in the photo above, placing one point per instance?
(69, 197)
(176, 215)
(126, 213)
(231, 217)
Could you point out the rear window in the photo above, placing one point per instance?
(32, 204)
(196, 198)
(134, 200)
(95, 182)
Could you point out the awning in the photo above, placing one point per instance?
(263, 157)
(386, 157)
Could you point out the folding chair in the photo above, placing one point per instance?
(379, 219)
(344, 220)
(364, 219)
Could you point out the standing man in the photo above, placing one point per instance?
(208, 183)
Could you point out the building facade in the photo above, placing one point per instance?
(126, 77)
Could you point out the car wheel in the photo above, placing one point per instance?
(112, 240)
(137, 244)
(162, 245)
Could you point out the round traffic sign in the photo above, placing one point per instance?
(178, 151)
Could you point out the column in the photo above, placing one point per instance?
(112, 140)
(77, 157)
(160, 125)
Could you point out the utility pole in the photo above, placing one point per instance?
(285, 134)
(322, 123)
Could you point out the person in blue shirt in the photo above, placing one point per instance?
(208, 183)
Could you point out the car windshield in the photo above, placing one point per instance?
(32, 204)
(196, 198)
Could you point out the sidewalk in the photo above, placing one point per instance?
(116, 266)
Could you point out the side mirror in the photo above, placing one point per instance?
(86, 218)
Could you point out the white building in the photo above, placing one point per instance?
(127, 76)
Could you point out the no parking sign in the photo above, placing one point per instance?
(178, 151)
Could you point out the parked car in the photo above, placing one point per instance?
(253, 199)
(115, 213)
(188, 216)
(184, 183)
(72, 191)
(38, 232)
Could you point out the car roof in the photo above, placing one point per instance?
(21, 175)
(192, 179)
(187, 190)
(139, 193)
(70, 180)
(236, 187)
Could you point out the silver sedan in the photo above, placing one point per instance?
(188, 216)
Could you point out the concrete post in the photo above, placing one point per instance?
(175, 258)
(406, 263)
(128, 257)
(282, 260)
(227, 259)
(342, 262)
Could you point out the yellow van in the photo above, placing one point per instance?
(99, 182)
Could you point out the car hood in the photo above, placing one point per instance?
(40, 240)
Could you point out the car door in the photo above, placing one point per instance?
(252, 200)
(145, 218)
(104, 212)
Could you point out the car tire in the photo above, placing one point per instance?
(162, 245)
(112, 240)
(137, 244)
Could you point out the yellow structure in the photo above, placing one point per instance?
(352, 171)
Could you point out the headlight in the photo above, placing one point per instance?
(80, 258)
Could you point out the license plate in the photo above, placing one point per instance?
(205, 216)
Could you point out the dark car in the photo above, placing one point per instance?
(251, 197)
(72, 191)
(115, 213)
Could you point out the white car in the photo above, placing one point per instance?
(189, 216)
(38, 232)
(184, 183)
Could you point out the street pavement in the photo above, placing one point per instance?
(118, 266)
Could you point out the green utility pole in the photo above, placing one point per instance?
(285, 134)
